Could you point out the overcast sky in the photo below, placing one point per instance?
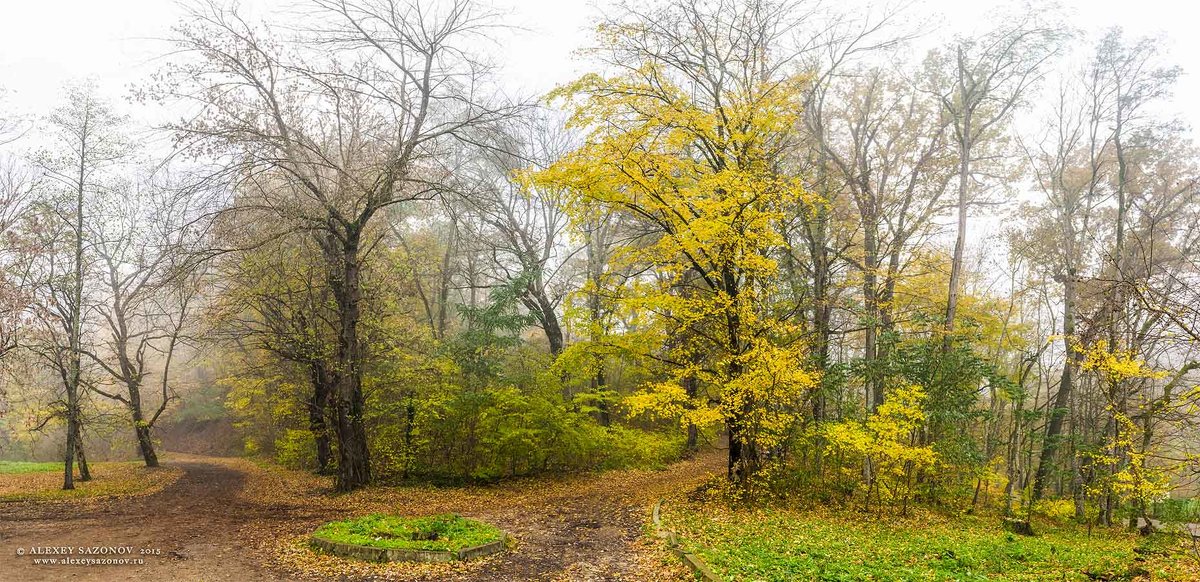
(46, 43)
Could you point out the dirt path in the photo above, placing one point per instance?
(184, 530)
(229, 520)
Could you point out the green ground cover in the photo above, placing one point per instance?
(778, 545)
(18, 467)
(446, 532)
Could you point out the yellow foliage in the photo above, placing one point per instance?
(991, 322)
(703, 184)
(886, 441)
(1129, 474)
(1056, 509)
(1114, 365)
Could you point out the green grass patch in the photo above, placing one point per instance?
(446, 532)
(20, 467)
(777, 544)
(109, 479)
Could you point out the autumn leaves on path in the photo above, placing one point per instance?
(587, 527)
(229, 519)
(180, 533)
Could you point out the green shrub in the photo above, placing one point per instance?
(296, 449)
(1176, 510)
(479, 404)
(630, 447)
(1060, 510)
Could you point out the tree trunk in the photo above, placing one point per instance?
(85, 474)
(75, 339)
(960, 240)
(1063, 399)
(691, 386)
(141, 429)
(599, 384)
(871, 301)
(822, 309)
(145, 443)
(744, 459)
(410, 418)
(539, 304)
(821, 320)
(594, 242)
(354, 465)
(69, 457)
(554, 334)
(1118, 258)
(1117, 397)
(445, 280)
(318, 402)
(353, 457)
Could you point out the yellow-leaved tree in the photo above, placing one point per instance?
(886, 444)
(1123, 469)
(688, 151)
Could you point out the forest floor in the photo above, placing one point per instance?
(230, 519)
(43, 481)
(779, 543)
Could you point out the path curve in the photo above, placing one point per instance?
(203, 527)
(184, 529)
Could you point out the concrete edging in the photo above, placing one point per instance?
(373, 554)
(697, 564)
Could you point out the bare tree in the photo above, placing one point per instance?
(17, 187)
(1091, 161)
(523, 231)
(886, 144)
(1068, 164)
(88, 143)
(980, 82)
(835, 58)
(321, 135)
(1128, 77)
(17, 184)
(143, 239)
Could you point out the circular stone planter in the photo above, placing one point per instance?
(384, 554)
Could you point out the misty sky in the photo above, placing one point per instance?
(46, 43)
